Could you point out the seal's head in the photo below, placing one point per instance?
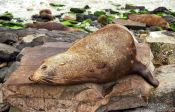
(58, 69)
(51, 70)
(43, 73)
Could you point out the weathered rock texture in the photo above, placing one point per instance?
(162, 99)
(162, 45)
(129, 92)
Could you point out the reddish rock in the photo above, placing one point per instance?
(149, 19)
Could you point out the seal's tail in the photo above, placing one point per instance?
(142, 70)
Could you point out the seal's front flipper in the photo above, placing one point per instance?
(142, 70)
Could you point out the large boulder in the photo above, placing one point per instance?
(162, 99)
(8, 37)
(162, 44)
(20, 92)
(7, 53)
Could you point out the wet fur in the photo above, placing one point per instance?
(103, 56)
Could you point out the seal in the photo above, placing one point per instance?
(149, 19)
(103, 56)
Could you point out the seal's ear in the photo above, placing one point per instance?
(143, 71)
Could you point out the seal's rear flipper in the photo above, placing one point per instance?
(142, 70)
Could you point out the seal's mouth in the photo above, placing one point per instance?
(40, 79)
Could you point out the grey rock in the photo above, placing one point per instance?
(3, 28)
(162, 44)
(163, 97)
(7, 37)
(128, 6)
(63, 36)
(6, 71)
(24, 32)
(42, 36)
(161, 37)
(7, 53)
(130, 24)
(160, 9)
(170, 19)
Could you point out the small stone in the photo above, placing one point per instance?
(102, 20)
(69, 18)
(77, 10)
(160, 9)
(3, 65)
(127, 6)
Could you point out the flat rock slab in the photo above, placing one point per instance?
(21, 93)
(130, 24)
(161, 37)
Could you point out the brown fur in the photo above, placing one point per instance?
(149, 19)
(103, 56)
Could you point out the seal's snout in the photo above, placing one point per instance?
(34, 77)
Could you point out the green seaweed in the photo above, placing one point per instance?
(70, 23)
(6, 16)
(143, 11)
(84, 24)
(56, 5)
(161, 14)
(99, 13)
(12, 25)
(172, 26)
(110, 18)
(77, 10)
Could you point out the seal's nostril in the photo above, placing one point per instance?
(30, 78)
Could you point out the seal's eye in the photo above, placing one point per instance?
(44, 67)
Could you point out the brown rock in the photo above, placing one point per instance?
(129, 92)
(47, 25)
(149, 19)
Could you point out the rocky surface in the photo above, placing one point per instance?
(161, 37)
(162, 44)
(162, 98)
(30, 97)
(7, 53)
